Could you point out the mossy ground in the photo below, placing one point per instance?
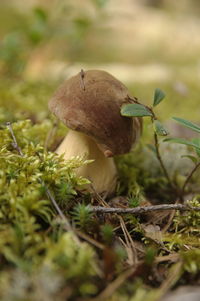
(40, 259)
(105, 257)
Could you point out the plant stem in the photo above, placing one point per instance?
(52, 199)
(189, 178)
(143, 209)
(161, 161)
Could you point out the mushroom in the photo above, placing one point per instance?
(89, 105)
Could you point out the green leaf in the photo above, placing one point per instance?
(192, 158)
(159, 95)
(197, 142)
(188, 124)
(152, 148)
(183, 141)
(135, 110)
(159, 128)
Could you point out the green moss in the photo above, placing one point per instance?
(64, 265)
(26, 213)
(38, 256)
(20, 100)
(189, 222)
(191, 261)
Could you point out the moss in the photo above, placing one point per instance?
(38, 256)
(21, 100)
(189, 222)
(26, 213)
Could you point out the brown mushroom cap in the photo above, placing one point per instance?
(90, 103)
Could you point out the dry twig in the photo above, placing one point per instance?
(170, 219)
(129, 245)
(14, 144)
(189, 177)
(143, 209)
(52, 199)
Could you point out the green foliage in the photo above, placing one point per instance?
(135, 110)
(33, 243)
(140, 173)
(38, 30)
(129, 172)
(61, 27)
(65, 192)
(82, 216)
(25, 100)
(26, 212)
(191, 261)
(159, 128)
(189, 222)
(183, 141)
(39, 260)
(192, 158)
(140, 110)
(75, 260)
(194, 127)
(12, 53)
(185, 231)
(64, 264)
(134, 200)
(159, 95)
(195, 142)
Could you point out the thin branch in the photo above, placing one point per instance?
(135, 100)
(189, 177)
(169, 221)
(129, 245)
(90, 240)
(143, 209)
(14, 144)
(52, 199)
(161, 161)
(174, 257)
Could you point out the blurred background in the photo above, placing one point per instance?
(144, 43)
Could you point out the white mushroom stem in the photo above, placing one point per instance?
(102, 172)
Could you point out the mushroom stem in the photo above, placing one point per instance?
(102, 172)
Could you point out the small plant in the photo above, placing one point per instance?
(193, 143)
(82, 216)
(137, 109)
